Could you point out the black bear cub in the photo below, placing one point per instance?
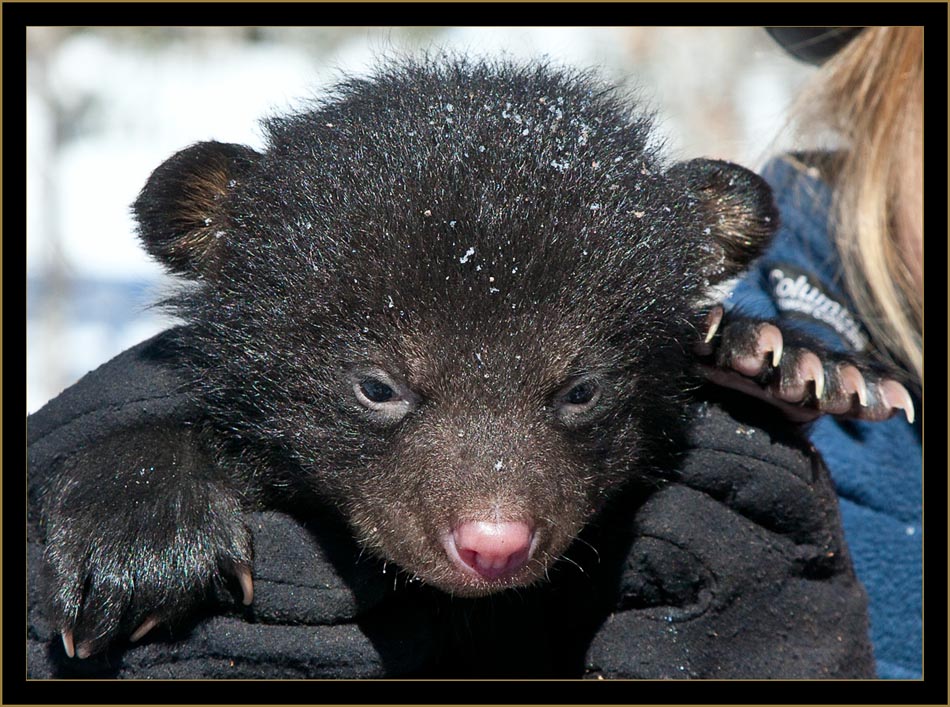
(456, 300)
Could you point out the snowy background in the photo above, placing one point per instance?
(105, 106)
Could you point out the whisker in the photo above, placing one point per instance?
(573, 562)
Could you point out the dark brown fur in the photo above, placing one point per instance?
(482, 237)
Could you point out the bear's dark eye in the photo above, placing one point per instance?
(376, 391)
(581, 394)
(386, 396)
(577, 401)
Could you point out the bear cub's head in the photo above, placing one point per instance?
(457, 297)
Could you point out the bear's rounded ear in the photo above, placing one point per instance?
(738, 214)
(183, 212)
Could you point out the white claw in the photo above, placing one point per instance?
(852, 379)
(810, 369)
(863, 393)
(896, 396)
(770, 339)
(777, 354)
(68, 643)
(715, 319)
(247, 584)
(819, 382)
(147, 625)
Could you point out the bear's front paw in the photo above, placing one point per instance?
(138, 528)
(796, 374)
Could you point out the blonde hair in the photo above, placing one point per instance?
(871, 95)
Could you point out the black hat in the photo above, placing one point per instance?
(813, 44)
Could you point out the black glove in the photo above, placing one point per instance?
(738, 569)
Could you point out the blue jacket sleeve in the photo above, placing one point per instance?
(799, 278)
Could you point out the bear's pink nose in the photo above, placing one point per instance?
(492, 550)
